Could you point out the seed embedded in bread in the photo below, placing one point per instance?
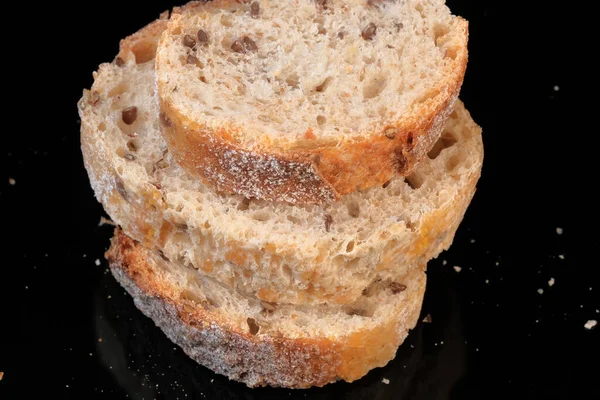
(129, 115)
(119, 62)
(254, 10)
(253, 326)
(397, 287)
(192, 60)
(369, 31)
(237, 46)
(189, 41)
(129, 157)
(202, 37)
(249, 44)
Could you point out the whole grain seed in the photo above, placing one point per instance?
(254, 9)
(129, 115)
(189, 41)
(369, 31)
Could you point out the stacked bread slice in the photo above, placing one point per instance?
(281, 172)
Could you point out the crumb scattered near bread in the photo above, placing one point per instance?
(457, 268)
(106, 221)
(1, 375)
(12, 182)
(556, 88)
(561, 256)
(427, 319)
(386, 381)
(551, 282)
(540, 291)
(97, 262)
(559, 231)
(590, 324)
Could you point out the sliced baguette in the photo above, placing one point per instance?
(277, 252)
(291, 346)
(315, 104)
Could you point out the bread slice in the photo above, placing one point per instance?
(290, 346)
(303, 254)
(304, 101)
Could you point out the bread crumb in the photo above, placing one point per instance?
(551, 282)
(561, 256)
(590, 324)
(97, 262)
(99, 340)
(386, 381)
(540, 291)
(105, 221)
(487, 281)
(457, 268)
(444, 262)
(497, 263)
(556, 88)
(427, 319)
(472, 240)
(12, 182)
(559, 231)
(1, 375)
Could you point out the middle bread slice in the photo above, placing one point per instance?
(277, 252)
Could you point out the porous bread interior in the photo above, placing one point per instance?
(356, 217)
(312, 69)
(375, 308)
(344, 252)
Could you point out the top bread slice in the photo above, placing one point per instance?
(302, 254)
(304, 101)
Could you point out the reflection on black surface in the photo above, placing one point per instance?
(147, 365)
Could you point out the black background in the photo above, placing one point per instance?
(531, 84)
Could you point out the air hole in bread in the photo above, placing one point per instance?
(292, 80)
(359, 311)
(294, 220)
(321, 120)
(414, 180)
(189, 295)
(452, 163)
(132, 145)
(353, 209)
(261, 216)
(118, 89)
(350, 246)
(451, 53)
(324, 85)
(374, 87)
(446, 141)
(439, 31)
(226, 20)
(287, 271)
(244, 204)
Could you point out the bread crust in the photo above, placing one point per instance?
(212, 340)
(321, 174)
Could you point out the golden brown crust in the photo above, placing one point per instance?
(318, 174)
(210, 339)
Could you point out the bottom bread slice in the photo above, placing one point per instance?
(258, 343)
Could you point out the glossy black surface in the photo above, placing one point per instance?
(70, 332)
